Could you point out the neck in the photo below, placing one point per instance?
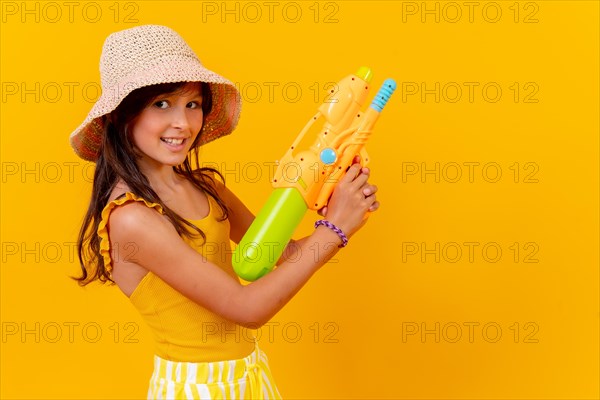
(163, 179)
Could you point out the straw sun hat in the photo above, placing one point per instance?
(148, 55)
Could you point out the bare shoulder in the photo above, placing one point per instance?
(136, 218)
(140, 235)
(222, 191)
(214, 179)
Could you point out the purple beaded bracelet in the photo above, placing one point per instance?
(335, 229)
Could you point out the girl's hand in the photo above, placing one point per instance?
(352, 200)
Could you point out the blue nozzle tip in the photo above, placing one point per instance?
(383, 95)
(390, 83)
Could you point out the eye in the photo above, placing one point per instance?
(161, 104)
(194, 104)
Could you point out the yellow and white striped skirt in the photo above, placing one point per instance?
(244, 378)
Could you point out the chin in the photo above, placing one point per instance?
(174, 163)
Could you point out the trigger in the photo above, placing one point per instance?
(364, 157)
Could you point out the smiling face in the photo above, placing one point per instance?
(165, 130)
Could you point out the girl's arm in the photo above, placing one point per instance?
(160, 249)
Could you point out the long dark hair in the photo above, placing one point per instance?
(117, 160)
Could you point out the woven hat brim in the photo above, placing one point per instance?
(222, 119)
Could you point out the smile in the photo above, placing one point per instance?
(172, 141)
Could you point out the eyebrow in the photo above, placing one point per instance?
(190, 96)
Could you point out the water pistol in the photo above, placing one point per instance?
(306, 178)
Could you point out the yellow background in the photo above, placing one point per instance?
(351, 332)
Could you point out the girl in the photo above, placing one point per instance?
(153, 215)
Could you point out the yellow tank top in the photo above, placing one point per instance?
(183, 330)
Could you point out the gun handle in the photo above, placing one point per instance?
(332, 181)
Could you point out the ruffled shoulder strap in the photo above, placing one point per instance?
(126, 197)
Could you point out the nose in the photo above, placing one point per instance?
(179, 118)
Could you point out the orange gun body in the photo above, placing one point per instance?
(314, 172)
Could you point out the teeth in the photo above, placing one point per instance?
(172, 141)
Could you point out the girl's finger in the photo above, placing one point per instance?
(351, 174)
(369, 190)
(374, 206)
(361, 178)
